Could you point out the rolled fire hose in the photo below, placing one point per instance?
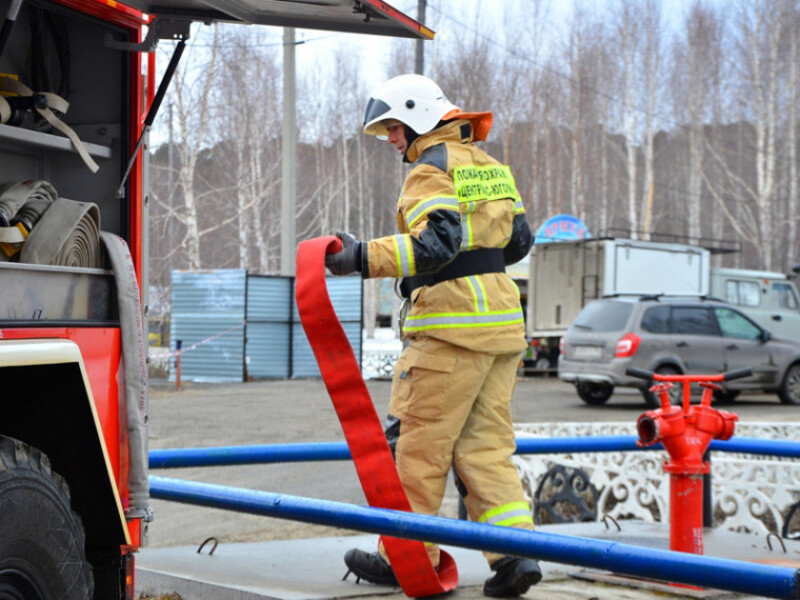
(55, 231)
(13, 196)
(54, 102)
(362, 427)
(5, 110)
(67, 235)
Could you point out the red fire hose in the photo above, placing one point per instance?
(360, 422)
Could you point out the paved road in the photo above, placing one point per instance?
(300, 411)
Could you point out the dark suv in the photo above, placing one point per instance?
(671, 335)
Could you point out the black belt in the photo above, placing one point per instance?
(470, 262)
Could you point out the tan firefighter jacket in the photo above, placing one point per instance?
(456, 199)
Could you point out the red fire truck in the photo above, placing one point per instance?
(77, 96)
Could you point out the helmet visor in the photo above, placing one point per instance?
(375, 108)
(377, 112)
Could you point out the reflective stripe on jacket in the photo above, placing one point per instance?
(455, 199)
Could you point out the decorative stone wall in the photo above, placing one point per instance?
(750, 493)
(378, 363)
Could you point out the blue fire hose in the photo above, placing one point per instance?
(719, 573)
(327, 451)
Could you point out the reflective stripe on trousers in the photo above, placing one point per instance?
(509, 514)
(477, 319)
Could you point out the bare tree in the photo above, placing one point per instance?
(652, 84)
(695, 69)
(758, 42)
(249, 91)
(628, 39)
(606, 75)
(468, 72)
(792, 83)
(191, 98)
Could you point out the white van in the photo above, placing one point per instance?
(770, 299)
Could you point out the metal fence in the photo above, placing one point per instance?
(233, 326)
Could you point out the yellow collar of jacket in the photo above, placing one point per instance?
(459, 131)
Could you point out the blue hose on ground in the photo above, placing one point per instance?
(648, 563)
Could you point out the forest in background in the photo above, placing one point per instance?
(624, 116)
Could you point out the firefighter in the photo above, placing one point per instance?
(461, 221)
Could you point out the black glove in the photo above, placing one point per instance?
(348, 259)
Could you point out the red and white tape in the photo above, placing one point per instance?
(205, 341)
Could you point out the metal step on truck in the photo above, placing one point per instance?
(78, 95)
(564, 276)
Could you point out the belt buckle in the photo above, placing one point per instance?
(403, 313)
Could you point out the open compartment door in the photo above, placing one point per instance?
(354, 16)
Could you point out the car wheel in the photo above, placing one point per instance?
(594, 394)
(790, 389)
(543, 363)
(675, 394)
(725, 397)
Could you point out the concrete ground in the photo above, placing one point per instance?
(297, 560)
(312, 569)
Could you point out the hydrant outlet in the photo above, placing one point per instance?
(648, 430)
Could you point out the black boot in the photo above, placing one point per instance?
(513, 576)
(369, 567)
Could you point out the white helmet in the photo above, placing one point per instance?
(414, 100)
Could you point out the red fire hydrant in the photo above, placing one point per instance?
(686, 433)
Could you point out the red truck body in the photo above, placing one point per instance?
(65, 339)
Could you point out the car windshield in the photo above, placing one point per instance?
(604, 316)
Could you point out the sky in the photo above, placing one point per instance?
(448, 17)
(315, 48)
(374, 51)
(451, 19)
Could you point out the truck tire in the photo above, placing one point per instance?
(675, 394)
(594, 394)
(790, 388)
(42, 542)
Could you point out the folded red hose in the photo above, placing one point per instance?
(360, 422)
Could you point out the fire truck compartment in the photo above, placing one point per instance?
(94, 79)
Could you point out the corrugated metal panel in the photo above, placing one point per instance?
(207, 304)
(304, 364)
(269, 298)
(346, 297)
(268, 350)
(345, 294)
(269, 305)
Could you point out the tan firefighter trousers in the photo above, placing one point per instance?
(454, 410)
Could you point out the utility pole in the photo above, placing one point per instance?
(419, 55)
(289, 157)
(170, 176)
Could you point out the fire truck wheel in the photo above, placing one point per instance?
(42, 555)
